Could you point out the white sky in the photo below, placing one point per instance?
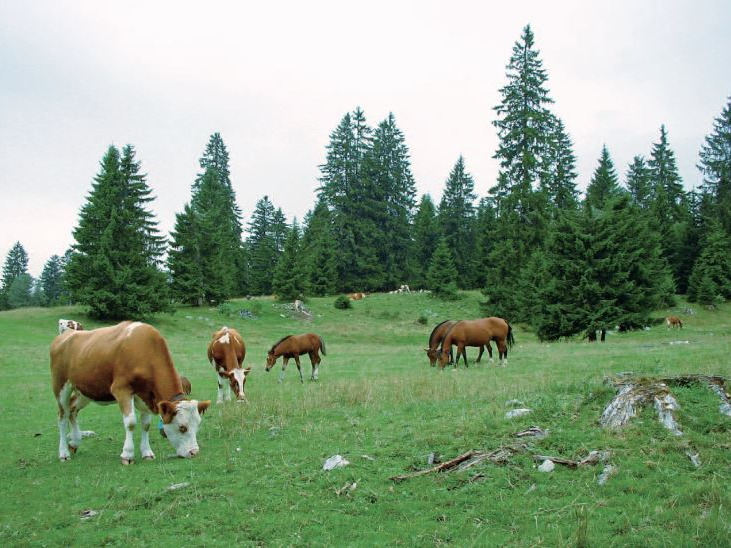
(275, 78)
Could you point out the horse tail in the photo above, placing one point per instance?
(322, 345)
(510, 339)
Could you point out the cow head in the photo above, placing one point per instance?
(180, 422)
(237, 380)
(69, 325)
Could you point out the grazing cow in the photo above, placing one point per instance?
(674, 321)
(128, 363)
(65, 325)
(226, 352)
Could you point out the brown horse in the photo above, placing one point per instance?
(436, 337)
(674, 321)
(475, 333)
(293, 346)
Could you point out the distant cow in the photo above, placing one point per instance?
(128, 363)
(65, 325)
(357, 296)
(226, 352)
(674, 321)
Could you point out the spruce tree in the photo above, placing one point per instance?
(19, 293)
(115, 265)
(262, 247)
(288, 283)
(52, 281)
(486, 230)
(457, 221)
(318, 259)
(426, 234)
(187, 282)
(558, 183)
(604, 186)
(710, 281)
(16, 263)
(639, 182)
(524, 124)
(715, 166)
(442, 274)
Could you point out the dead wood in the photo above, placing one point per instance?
(592, 458)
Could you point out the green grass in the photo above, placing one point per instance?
(259, 480)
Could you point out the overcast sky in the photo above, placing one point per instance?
(275, 78)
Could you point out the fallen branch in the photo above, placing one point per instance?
(592, 458)
(439, 467)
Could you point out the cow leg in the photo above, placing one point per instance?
(64, 411)
(297, 361)
(78, 402)
(219, 397)
(145, 420)
(125, 399)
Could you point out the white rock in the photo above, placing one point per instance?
(547, 466)
(336, 461)
(517, 412)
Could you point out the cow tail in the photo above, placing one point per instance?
(511, 339)
(322, 345)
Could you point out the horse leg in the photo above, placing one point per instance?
(315, 360)
(503, 350)
(479, 356)
(297, 361)
(285, 361)
(461, 351)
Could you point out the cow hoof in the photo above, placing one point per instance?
(149, 457)
(127, 462)
(65, 458)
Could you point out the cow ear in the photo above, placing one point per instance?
(167, 411)
(247, 370)
(203, 405)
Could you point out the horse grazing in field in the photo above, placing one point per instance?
(674, 321)
(435, 340)
(293, 346)
(475, 333)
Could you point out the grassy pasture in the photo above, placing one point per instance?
(259, 480)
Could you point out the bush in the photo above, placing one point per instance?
(422, 319)
(343, 302)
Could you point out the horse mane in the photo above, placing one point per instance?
(279, 342)
(431, 337)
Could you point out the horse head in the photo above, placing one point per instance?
(431, 353)
(442, 357)
(271, 358)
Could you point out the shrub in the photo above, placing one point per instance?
(343, 302)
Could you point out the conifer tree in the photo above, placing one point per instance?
(426, 234)
(20, 292)
(485, 237)
(457, 221)
(318, 259)
(604, 186)
(289, 280)
(16, 264)
(442, 274)
(710, 281)
(114, 267)
(262, 247)
(715, 165)
(558, 183)
(524, 124)
(639, 182)
(187, 282)
(52, 281)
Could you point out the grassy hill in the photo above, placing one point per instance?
(259, 479)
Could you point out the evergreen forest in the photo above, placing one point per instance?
(563, 262)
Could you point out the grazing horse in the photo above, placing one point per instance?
(476, 333)
(435, 340)
(674, 321)
(293, 346)
(226, 352)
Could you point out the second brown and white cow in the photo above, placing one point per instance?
(128, 363)
(65, 325)
(226, 352)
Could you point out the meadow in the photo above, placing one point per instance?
(259, 478)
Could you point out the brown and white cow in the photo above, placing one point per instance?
(128, 363)
(226, 352)
(65, 325)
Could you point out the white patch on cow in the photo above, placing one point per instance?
(181, 431)
(130, 422)
(64, 401)
(131, 327)
(224, 339)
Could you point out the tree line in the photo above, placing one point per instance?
(541, 253)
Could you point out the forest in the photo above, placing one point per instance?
(561, 262)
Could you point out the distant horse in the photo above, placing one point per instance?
(476, 333)
(293, 346)
(674, 321)
(436, 337)
(357, 296)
